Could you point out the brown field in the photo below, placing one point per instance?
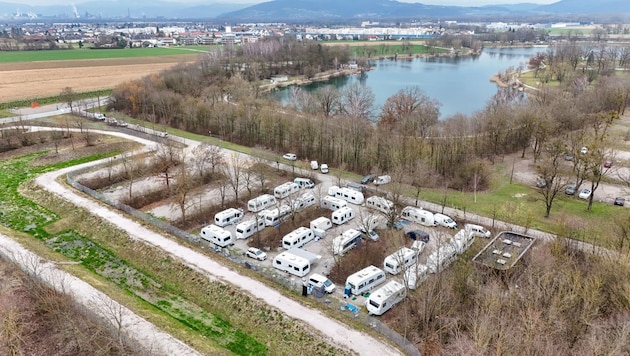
(45, 79)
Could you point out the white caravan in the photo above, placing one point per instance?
(322, 223)
(462, 241)
(304, 201)
(477, 230)
(418, 215)
(275, 216)
(443, 256)
(416, 274)
(249, 227)
(382, 180)
(381, 204)
(304, 183)
(261, 203)
(342, 215)
(365, 280)
(297, 238)
(291, 263)
(217, 235)
(346, 241)
(332, 191)
(228, 217)
(400, 260)
(350, 195)
(285, 189)
(332, 203)
(444, 220)
(384, 298)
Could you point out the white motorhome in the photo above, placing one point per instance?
(444, 220)
(381, 204)
(346, 241)
(249, 227)
(384, 298)
(342, 215)
(418, 215)
(350, 195)
(291, 263)
(439, 259)
(261, 203)
(382, 180)
(332, 203)
(304, 183)
(275, 216)
(416, 274)
(228, 217)
(365, 280)
(217, 235)
(304, 201)
(477, 230)
(297, 238)
(462, 241)
(285, 189)
(322, 223)
(400, 260)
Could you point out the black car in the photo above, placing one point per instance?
(418, 235)
(368, 179)
(620, 201)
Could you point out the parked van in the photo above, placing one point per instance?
(322, 223)
(356, 186)
(384, 298)
(444, 220)
(318, 281)
(416, 274)
(261, 203)
(275, 216)
(332, 203)
(288, 262)
(304, 201)
(314, 165)
(346, 241)
(350, 195)
(400, 260)
(285, 189)
(323, 168)
(332, 191)
(342, 215)
(297, 238)
(477, 230)
(365, 280)
(382, 180)
(304, 183)
(217, 235)
(249, 227)
(418, 215)
(439, 259)
(383, 205)
(228, 217)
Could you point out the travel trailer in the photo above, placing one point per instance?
(332, 203)
(304, 201)
(382, 180)
(322, 223)
(439, 259)
(285, 189)
(297, 238)
(400, 260)
(383, 205)
(304, 183)
(247, 228)
(342, 215)
(418, 215)
(384, 298)
(365, 280)
(332, 191)
(291, 263)
(416, 274)
(275, 216)
(346, 241)
(261, 203)
(350, 195)
(462, 241)
(444, 220)
(228, 217)
(477, 230)
(217, 235)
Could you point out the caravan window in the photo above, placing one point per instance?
(278, 262)
(304, 269)
(373, 303)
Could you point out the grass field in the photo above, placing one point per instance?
(82, 54)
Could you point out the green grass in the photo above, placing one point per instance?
(48, 100)
(390, 49)
(79, 54)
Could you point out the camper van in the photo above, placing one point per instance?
(285, 189)
(314, 165)
(322, 223)
(382, 180)
(477, 230)
(304, 201)
(444, 220)
(418, 215)
(416, 274)
(384, 298)
(332, 203)
(291, 263)
(350, 195)
(365, 280)
(304, 183)
(228, 217)
(217, 235)
(439, 259)
(383, 205)
(318, 281)
(342, 215)
(297, 238)
(261, 203)
(249, 227)
(346, 241)
(275, 216)
(400, 260)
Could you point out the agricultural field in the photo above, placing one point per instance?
(83, 54)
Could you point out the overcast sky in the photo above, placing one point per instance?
(428, 2)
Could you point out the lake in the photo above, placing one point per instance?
(460, 84)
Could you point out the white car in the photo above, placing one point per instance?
(289, 156)
(324, 168)
(584, 150)
(314, 165)
(584, 193)
(256, 254)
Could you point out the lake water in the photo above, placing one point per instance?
(460, 84)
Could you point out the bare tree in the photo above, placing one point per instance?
(357, 100)
(236, 166)
(207, 155)
(185, 183)
(68, 96)
(131, 166)
(168, 155)
(551, 180)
